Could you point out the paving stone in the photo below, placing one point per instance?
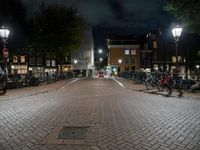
(123, 119)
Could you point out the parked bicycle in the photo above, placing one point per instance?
(153, 80)
(172, 82)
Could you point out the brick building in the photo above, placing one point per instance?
(123, 53)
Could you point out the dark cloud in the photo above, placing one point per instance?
(114, 13)
(125, 16)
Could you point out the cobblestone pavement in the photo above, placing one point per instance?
(117, 119)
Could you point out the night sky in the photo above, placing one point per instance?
(115, 16)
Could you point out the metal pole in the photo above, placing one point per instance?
(5, 59)
(176, 55)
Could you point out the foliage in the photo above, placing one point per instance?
(186, 11)
(56, 29)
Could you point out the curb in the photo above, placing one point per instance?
(40, 92)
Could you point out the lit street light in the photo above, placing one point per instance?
(119, 61)
(75, 62)
(100, 51)
(176, 31)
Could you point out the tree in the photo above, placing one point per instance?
(57, 30)
(186, 11)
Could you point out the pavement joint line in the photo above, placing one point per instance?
(119, 83)
(42, 92)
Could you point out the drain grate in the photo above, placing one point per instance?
(73, 133)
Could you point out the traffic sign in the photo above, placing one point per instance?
(5, 53)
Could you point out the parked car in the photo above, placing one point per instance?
(101, 74)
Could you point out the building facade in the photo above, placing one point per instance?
(123, 54)
(85, 55)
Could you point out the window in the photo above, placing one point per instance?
(32, 61)
(126, 68)
(155, 44)
(22, 69)
(173, 59)
(39, 61)
(133, 52)
(48, 63)
(133, 59)
(53, 63)
(180, 59)
(133, 68)
(15, 59)
(22, 58)
(126, 51)
(126, 59)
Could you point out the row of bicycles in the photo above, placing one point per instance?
(163, 81)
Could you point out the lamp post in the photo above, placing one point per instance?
(176, 31)
(197, 66)
(75, 62)
(4, 33)
(119, 61)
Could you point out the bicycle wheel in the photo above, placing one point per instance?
(159, 86)
(148, 84)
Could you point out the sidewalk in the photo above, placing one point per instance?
(142, 88)
(28, 91)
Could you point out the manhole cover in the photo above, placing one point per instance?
(72, 133)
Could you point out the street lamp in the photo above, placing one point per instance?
(176, 31)
(4, 33)
(100, 51)
(75, 62)
(119, 61)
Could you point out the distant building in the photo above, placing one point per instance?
(85, 55)
(123, 53)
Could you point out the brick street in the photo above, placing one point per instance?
(117, 118)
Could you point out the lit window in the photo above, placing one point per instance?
(133, 52)
(179, 59)
(126, 51)
(22, 59)
(15, 59)
(155, 44)
(47, 63)
(173, 59)
(53, 63)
